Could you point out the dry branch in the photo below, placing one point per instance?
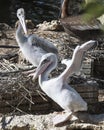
(10, 46)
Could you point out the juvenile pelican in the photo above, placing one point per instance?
(58, 88)
(33, 47)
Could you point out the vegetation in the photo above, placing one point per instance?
(93, 9)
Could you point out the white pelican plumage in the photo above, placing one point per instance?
(58, 88)
(32, 46)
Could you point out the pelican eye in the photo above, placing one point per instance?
(19, 14)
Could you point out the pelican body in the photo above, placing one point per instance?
(58, 88)
(32, 46)
(78, 26)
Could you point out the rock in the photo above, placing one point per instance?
(42, 122)
(28, 122)
(84, 126)
(2, 35)
(4, 27)
(30, 24)
(54, 25)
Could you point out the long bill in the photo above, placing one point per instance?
(22, 21)
(41, 68)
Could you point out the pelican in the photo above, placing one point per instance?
(78, 26)
(32, 46)
(58, 88)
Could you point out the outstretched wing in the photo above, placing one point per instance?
(44, 44)
(77, 58)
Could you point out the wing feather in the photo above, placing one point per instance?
(47, 46)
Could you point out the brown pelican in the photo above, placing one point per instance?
(58, 88)
(78, 26)
(33, 47)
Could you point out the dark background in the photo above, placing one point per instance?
(36, 10)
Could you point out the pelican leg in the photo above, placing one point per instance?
(61, 118)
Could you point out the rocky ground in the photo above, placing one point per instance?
(59, 39)
(42, 122)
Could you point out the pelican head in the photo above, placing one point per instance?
(21, 17)
(48, 61)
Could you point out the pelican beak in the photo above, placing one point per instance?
(22, 21)
(89, 45)
(41, 68)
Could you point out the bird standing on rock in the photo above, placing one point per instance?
(78, 26)
(32, 46)
(58, 88)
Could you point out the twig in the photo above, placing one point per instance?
(101, 80)
(16, 108)
(41, 94)
(10, 46)
(16, 71)
(8, 56)
(27, 98)
(4, 66)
